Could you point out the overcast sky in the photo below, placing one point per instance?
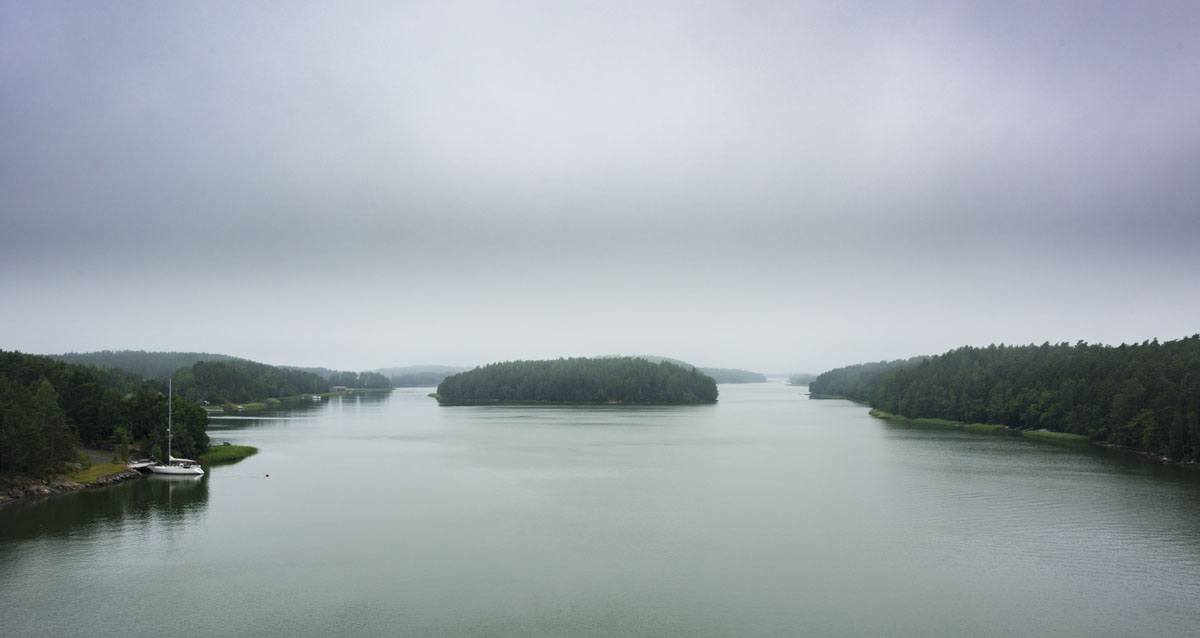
(775, 186)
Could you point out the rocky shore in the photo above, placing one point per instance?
(17, 490)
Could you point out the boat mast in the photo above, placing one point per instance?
(170, 393)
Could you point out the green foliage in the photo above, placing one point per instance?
(151, 365)
(34, 436)
(47, 407)
(855, 382)
(324, 373)
(189, 429)
(93, 472)
(605, 380)
(360, 380)
(1142, 396)
(122, 439)
(223, 454)
(241, 381)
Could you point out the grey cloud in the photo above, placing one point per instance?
(773, 185)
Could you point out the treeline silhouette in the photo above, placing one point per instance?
(855, 382)
(239, 381)
(47, 407)
(151, 365)
(580, 380)
(360, 380)
(1142, 396)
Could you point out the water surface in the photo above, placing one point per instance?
(766, 514)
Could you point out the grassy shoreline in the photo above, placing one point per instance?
(226, 454)
(96, 472)
(982, 428)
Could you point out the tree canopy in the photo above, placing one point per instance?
(591, 381)
(241, 381)
(360, 380)
(47, 407)
(1142, 396)
(151, 365)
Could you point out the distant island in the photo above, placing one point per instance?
(801, 378)
(1144, 397)
(607, 380)
(734, 375)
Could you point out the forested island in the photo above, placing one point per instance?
(1144, 396)
(607, 380)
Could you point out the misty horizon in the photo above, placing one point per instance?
(770, 186)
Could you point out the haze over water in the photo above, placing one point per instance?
(765, 514)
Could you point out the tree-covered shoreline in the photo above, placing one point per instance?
(1144, 397)
(48, 408)
(240, 381)
(603, 381)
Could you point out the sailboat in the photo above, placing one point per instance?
(186, 467)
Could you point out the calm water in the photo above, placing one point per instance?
(767, 514)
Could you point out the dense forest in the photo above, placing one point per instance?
(801, 378)
(360, 380)
(324, 373)
(239, 381)
(1142, 396)
(151, 365)
(605, 380)
(47, 407)
(857, 381)
(732, 375)
(720, 375)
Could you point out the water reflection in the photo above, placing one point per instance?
(300, 409)
(170, 499)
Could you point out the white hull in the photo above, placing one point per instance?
(193, 470)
